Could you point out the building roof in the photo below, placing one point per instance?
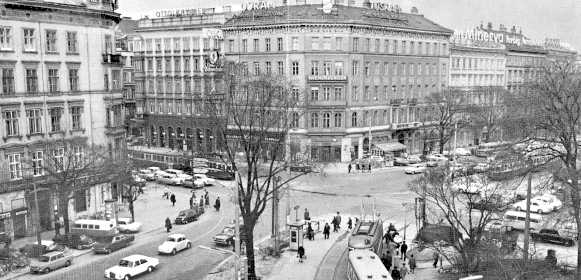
(127, 26)
(313, 13)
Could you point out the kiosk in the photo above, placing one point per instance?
(296, 235)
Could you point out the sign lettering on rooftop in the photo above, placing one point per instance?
(257, 5)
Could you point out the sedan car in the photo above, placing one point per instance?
(415, 169)
(536, 206)
(174, 243)
(74, 240)
(117, 242)
(550, 200)
(146, 174)
(432, 163)
(49, 262)
(400, 162)
(126, 225)
(414, 159)
(169, 179)
(132, 266)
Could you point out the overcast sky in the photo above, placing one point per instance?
(538, 19)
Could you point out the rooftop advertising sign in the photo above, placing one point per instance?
(257, 5)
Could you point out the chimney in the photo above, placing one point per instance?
(414, 11)
(513, 29)
(489, 26)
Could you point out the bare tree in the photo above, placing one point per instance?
(491, 112)
(446, 114)
(73, 166)
(256, 114)
(131, 190)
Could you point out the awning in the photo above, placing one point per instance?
(391, 147)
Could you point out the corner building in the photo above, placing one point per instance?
(360, 74)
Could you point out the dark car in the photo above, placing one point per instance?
(189, 215)
(552, 236)
(301, 168)
(219, 174)
(494, 203)
(74, 240)
(227, 235)
(117, 242)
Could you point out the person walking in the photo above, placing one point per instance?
(172, 198)
(201, 202)
(301, 253)
(349, 168)
(403, 271)
(310, 232)
(217, 204)
(167, 224)
(395, 274)
(326, 231)
(350, 223)
(369, 166)
(192, 201)
(386, 260)
(307, 215)
(338, 220)
(412, 262)
(403, 248)
(165, 193)
(207, 197)
(436, 256)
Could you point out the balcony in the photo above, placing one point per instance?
(330, 78)
(110, 58)
(396, 101)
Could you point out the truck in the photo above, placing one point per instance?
(552, 236)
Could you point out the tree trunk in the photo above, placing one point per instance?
(63, 209)
(131, 210)
(250, 252)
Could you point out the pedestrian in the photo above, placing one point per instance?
(217, 204)
(338, 220)
(403, 271)
(387, 238)
(349, 168)
(350, 223)
(310, 232)
(386, 260)
(201, 201)
(301, 253)
(436, 258)
(334, 222)
(357, 166)
(207, 197)
(369, 166)
(165, 193)
(192, 202)
(167, 224)
(404, 249)
(172, 198)
(326, 231)
(307, 215)
(412, 262)
(395, 275)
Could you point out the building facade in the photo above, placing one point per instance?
(60, 80)
(360, 73)
(178, 68)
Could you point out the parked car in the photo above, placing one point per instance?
(226, 236)
(436, 157)
(550, 200)
(301, 168)
(174, 243)
(203, 180)
(481, 167)
(117, 242)
(49, 262)
(146, 174)
(219, 174)
(493, 203)
(169, 179)
(415, 169)
(552, 236)
(189, 215)
(50, 246)
(78, 241)
(398, 161)
(132, 266)
(536, 206)
(125, 225)
(432, 163)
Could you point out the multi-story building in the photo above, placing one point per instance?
(560, 51)
(360, 73)
(178, 69)
(60, 78)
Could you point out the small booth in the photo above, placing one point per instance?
(296, 235)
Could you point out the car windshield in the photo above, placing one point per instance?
(228, 231)
(171, 239)
(44, 258)
(124, 263)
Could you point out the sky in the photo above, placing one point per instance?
(538, 19)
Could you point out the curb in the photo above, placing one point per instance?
(339, 239)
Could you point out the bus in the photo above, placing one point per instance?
(365, 264)
(367, 235)
(516, 220)
(94, 228)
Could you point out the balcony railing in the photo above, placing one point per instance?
(110, 58)
(328, 78)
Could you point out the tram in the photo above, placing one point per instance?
(367, 235)
(365, 264)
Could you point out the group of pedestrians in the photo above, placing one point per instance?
(396, 255)
(359, 167)
(204, 202)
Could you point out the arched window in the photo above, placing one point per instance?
(354, 119)
(326, 120)
(338, 119)
(294, 120)
(314, 120)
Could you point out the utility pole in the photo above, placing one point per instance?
(527, 220)
(37, 222)
(274, 234)
(236, 226)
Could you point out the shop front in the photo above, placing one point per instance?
(14, 222)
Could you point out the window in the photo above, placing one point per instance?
(355, 67)
(51, 41)
(55, 119)
(74, 79)
(386, 46)
(5, 38)
(78, 155)
(338, 93)
(280, 68)
(15, 166)
(256, 68)
(76, 114)
(186, 43)
(167, 44)
(279, 43)
(31, 80)
(7, 81)
(367, 45)
(327, 43)
(177, 64)
(377, 45)
(176, 44)
(339, 43)
(58, 159)
(366, 93)
(268, 68)
(295, 94)
(355, 44)
(326, 120)
(53, 80)
(11, 121)
(326, 93)
(327, 68)
(366, 69)
(168, 65)
(37, 158)
(187, 67)
(255, 46)
(34, 121)
(29, 42)
(295, 43)
(354, 119)
(314, 120)
(116, 78)
(377, 68)
(314, 93)
(354, 94)
(244, 45)
(72, 43)
(412, 47)
(404, 47)
(339, 68)
(267, 44)
(338, 119)
(295, 68)
(314, 68)
(196, 43)
(315, 43)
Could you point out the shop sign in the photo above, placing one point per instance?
(385, 7)
(5, 215)
(23, 212)
(257, 5)
(184, 12)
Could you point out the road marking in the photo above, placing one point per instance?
(224, 251)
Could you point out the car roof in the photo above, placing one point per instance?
(176, 235)
(50, 254)
(134, 257)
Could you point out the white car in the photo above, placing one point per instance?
(536, 206)
(169, 179)
(132, 266)
(146, 174)
(125, 225)
(203, 180)
(436, 157)
(415, 169)
(174, 243)
(550, 200)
